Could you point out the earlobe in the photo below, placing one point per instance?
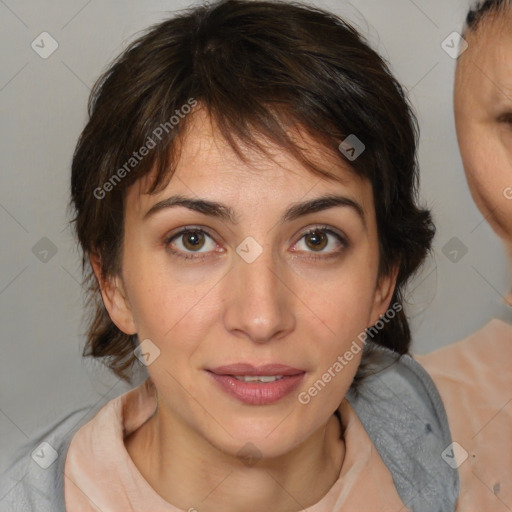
(114, 297)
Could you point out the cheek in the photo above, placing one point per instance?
(347, 305)
(342, 306)
(166, 303)
(487, 171)
(176, 313)
(488, 166)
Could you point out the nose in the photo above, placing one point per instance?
(259, 302)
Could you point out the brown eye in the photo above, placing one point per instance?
(191, 243)
(323, 241)
(193, 240)
(317, 240)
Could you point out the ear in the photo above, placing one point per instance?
(114, 297)
(383, 294)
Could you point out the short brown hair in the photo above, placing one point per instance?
(257, 67)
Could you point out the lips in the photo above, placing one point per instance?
(241, 369)
(260, 392)
(257, 393)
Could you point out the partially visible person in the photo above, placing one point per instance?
(473, 375)
(483, 113)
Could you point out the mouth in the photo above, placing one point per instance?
(249, 370)
(257, 385)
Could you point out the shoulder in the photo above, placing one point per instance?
(403, 413)
(34, 478)
(473, 375)
(487, 351)
(475, 382)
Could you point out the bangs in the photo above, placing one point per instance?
(246, 134)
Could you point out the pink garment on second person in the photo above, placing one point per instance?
(474, 379)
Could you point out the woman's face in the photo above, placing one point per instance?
(255, 289)
(483, 116)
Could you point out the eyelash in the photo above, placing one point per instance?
(200, 257)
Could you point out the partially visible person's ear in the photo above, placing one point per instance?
(383, 294)
(114, 297)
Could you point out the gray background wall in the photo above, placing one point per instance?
(43, 109)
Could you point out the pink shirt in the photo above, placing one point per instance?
(473, 376)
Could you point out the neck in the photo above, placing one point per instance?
(190, 473)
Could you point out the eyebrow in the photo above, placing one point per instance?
(225, 213)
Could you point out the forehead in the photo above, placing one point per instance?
(487, 63)
(207, 164)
